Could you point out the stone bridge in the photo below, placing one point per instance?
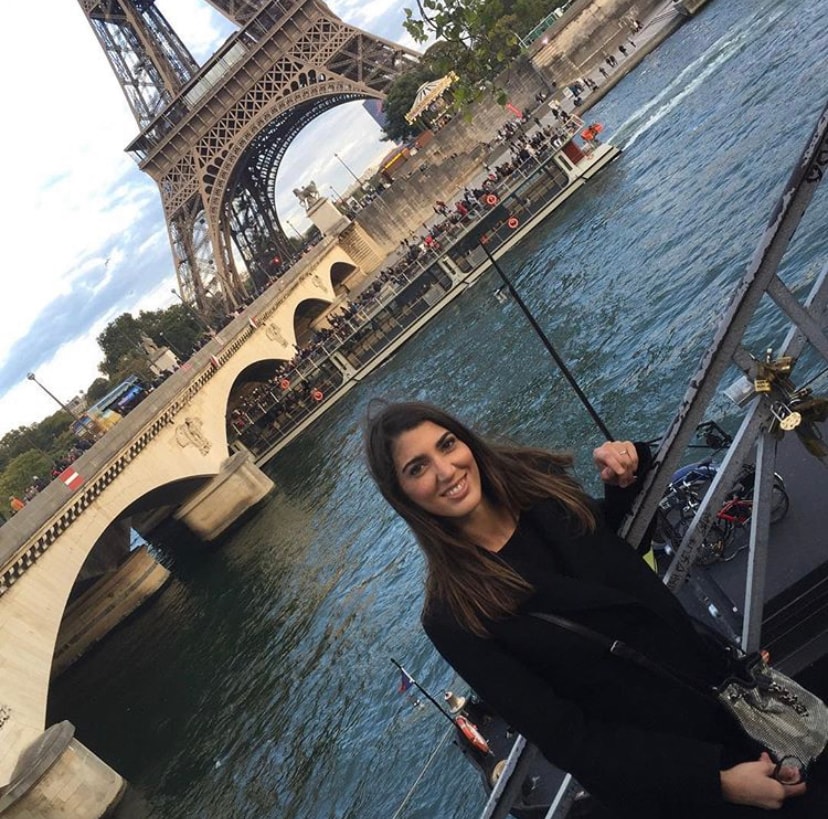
(171, 451)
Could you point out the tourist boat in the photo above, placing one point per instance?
(511, 208)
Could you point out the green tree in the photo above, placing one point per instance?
(97, 389)
(177, 328)
(398, 103)
(120, 339)
(17, 476)
(12, 444)
(486, 36)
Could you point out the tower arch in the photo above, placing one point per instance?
(288, 63)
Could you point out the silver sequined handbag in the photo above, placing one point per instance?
(776, 711)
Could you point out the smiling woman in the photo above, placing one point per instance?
(526, 576)
(438, 472)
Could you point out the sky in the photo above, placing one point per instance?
(83, 229)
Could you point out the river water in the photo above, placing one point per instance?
(260, 683)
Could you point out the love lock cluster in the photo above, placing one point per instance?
(792, 408)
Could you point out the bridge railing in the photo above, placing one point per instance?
(41, 522)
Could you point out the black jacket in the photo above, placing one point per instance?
(644, 746)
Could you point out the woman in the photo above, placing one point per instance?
(508, 533)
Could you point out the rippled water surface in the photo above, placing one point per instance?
(260, 683)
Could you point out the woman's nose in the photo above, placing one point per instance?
(444, 468)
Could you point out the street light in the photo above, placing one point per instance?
(358, 180)
(294, 230)
(31, 377)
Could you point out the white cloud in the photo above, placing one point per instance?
(79, 200)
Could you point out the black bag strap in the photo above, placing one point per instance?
(617, 648)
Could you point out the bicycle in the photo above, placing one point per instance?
(684, 495)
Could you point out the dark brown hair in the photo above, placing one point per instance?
(475, 584)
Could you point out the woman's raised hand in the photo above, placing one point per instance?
(617, 462)
(755, 784)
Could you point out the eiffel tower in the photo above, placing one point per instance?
(213, 136)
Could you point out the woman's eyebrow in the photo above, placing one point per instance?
(414, 460)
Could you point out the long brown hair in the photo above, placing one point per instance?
(475, 584)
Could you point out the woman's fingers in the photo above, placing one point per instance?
(617, 462)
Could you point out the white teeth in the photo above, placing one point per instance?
(456, 489)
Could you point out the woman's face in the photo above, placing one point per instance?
(437, 471)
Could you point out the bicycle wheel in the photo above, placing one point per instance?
(734, 539)
(712, 549)
(712, 546)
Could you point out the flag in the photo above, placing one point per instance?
(405, 681)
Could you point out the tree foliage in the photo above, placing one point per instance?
(97, 390)
(480, 37)
(17, 476)
(437, 61)
(121, 341)
(51, 436)
(398, 103)
(31, 450)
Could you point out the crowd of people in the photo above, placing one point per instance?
(39, 483)
(287, 391)
(525, 142)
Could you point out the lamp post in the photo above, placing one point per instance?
(301, 237)
(31, 377)
(358, 180)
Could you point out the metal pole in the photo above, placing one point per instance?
(550, 349)
(760, 520)
(301, 237)
(800, 188)
(506, 789)
(31, 377)
(358, 180)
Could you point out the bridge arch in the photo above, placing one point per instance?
(309, 318)
(340, 273)
(172, 448)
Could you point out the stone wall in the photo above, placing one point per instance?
(585, 34)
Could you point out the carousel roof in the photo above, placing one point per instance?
(427, 93)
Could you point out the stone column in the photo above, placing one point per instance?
(238, 487)
(58, 778)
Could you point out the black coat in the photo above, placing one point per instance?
(643, 745)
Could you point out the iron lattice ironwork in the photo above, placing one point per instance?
(213, 136)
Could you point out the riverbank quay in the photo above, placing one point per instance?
(660, 24)
(575, 47)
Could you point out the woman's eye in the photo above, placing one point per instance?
(415, 469)
(448, 444)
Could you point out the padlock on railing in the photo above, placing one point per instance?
(787, 418)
